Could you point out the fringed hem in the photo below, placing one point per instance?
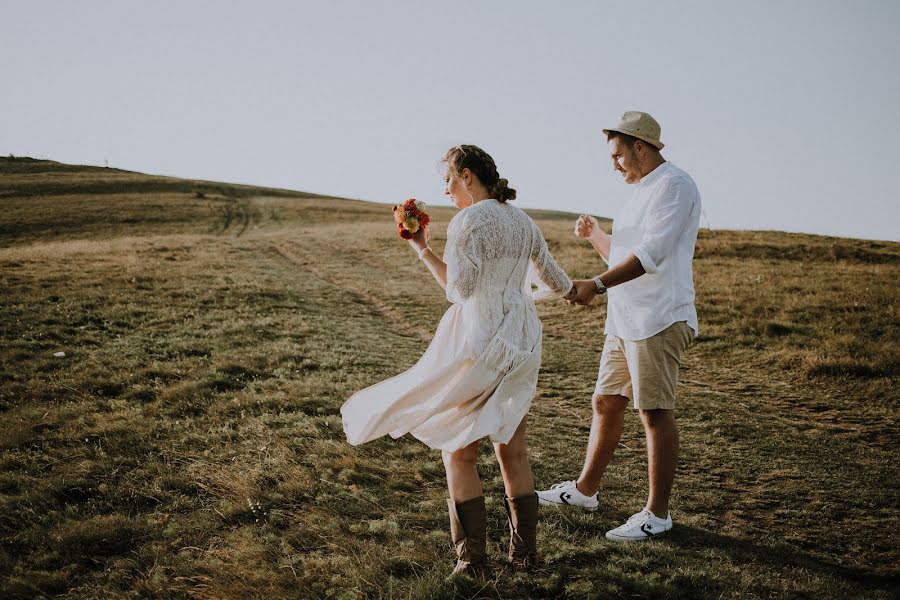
(503, 356)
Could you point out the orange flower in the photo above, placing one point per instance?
(410, 215)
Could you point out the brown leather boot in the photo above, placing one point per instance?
(468, 528)
(523, 515)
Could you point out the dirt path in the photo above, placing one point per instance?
(296, 256)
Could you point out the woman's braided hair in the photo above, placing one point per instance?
(483, 166)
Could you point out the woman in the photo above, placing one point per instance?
(478, 376)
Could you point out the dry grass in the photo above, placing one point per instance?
(189, 443)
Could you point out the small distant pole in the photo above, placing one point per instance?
(105, 164)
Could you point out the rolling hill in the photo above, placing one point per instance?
(175, 352)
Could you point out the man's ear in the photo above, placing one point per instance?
(639, 147)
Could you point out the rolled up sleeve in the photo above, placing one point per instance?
(667, 217)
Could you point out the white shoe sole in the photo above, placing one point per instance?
(543, 502)
(621, 538)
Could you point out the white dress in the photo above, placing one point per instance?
(479, 374)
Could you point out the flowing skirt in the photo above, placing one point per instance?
(449, 399)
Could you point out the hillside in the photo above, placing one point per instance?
(188, 443)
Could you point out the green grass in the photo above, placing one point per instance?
(189, 443)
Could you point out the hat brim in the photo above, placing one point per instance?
(655, 143)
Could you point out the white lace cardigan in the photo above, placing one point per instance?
(494, 253)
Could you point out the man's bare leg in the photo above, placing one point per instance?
(606, 431)
(662, 457)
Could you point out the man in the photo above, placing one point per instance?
(651, 320)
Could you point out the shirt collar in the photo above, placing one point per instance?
(653, 175)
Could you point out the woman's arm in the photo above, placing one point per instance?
(438, 267)
(547, 269)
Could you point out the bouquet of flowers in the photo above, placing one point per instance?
(410, 217)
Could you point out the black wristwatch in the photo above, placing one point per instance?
(601, 289)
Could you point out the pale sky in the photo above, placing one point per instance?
(786, 113)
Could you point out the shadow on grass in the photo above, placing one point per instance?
(778, 556)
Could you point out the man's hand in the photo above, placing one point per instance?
(585, 290)
(588, 228)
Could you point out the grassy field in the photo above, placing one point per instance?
(189, 443)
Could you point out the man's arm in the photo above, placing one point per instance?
(587, 227)
(625, 271)
(602, 244)
(667, 217)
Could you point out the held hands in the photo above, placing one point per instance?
(585, 290)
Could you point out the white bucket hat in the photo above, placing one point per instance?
(640, 125)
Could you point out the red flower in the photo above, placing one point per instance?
(409, 210)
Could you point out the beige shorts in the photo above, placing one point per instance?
(646, 371)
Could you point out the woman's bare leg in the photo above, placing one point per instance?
(514, 465)
(462, 475)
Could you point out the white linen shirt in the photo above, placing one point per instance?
(659, 225)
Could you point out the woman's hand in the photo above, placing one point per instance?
(420, 238)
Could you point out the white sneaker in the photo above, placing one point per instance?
(640, 526)
(567, 494)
